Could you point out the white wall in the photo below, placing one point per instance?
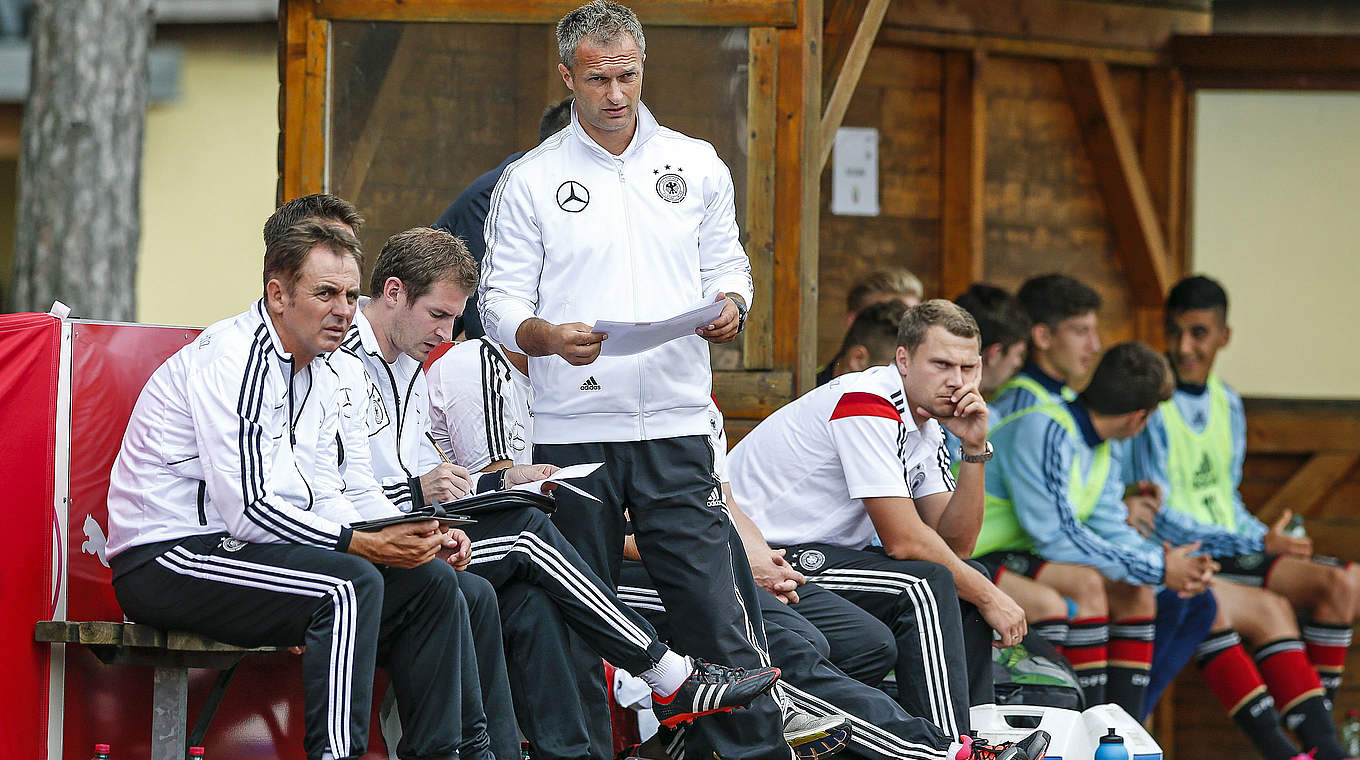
(1276, 219)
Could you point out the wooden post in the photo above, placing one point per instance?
(304, 42)
(797, 196)
(848, 79)
(964, 133)
(761, 110)
(170, 712)
(1140, 242)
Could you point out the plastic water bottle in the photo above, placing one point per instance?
(1111, 747)
(1295, 528)
(101, 752)
(1350, 733)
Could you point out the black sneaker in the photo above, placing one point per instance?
(712, 689)
(1031, 747)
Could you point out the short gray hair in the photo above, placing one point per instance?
(602, 21)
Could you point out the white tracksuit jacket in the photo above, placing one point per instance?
(392, 419)
(225, 438)
(576, 234)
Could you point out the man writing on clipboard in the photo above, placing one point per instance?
(619, 218)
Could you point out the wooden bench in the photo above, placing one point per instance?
(170, 654)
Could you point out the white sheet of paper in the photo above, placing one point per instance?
(628, 338)
(561, 477)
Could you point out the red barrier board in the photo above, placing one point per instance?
(48, 575)
(30, 346)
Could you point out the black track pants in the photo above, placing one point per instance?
(351, 616)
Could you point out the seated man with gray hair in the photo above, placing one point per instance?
(216, 505)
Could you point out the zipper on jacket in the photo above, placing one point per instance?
(292, 428)
(202, 495)
(628, 230)
(396, 407)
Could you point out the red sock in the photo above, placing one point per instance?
(1299, 695)
(1287, 673)
(1326, 646)
(1233, 678)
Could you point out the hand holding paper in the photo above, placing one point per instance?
(628, 338)
(560, 479)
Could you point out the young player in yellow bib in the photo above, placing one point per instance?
(1054, 511)
(1192, 450)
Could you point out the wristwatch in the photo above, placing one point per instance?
(742, 310)
(985, 456)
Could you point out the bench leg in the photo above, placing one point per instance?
(169, 713)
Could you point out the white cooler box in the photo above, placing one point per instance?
(1076, 735)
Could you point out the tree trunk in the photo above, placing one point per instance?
(80, 171)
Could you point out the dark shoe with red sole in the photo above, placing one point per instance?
(712, 689)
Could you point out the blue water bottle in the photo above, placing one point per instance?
(1111, 747)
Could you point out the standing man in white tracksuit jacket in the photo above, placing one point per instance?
(619, 218)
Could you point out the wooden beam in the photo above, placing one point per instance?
(1310, 485)
(1012, 46)
(1276, 426)
(751, 395)
(964, 132)
(788, 199)
(841, 22)
(761, 119)
(385, 102)
(1163, 162)
(797, 196)
(1139, 240)
(844, 88)
(11, 124)
(1163, 153)
(780, 13)
(302, 100)
(810, 183)
(1233, 79)
(1128, 24)
(1320, 54)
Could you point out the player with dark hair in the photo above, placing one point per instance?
(1005, 329)
(1063, 343)
(1191, 456)
(871, 341)
(1054, 512)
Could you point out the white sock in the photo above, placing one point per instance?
(668, 673)
(957, 751)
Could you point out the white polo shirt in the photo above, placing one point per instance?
(802, 474)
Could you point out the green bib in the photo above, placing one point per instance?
(1199, 465)
(1001, 529)
(1025, 382)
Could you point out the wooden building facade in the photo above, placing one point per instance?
(1016, 138)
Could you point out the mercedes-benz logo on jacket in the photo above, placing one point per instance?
(572, 196)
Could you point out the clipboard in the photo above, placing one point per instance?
(434, 512)
(494, 501)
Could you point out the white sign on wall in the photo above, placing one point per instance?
(854, 172)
